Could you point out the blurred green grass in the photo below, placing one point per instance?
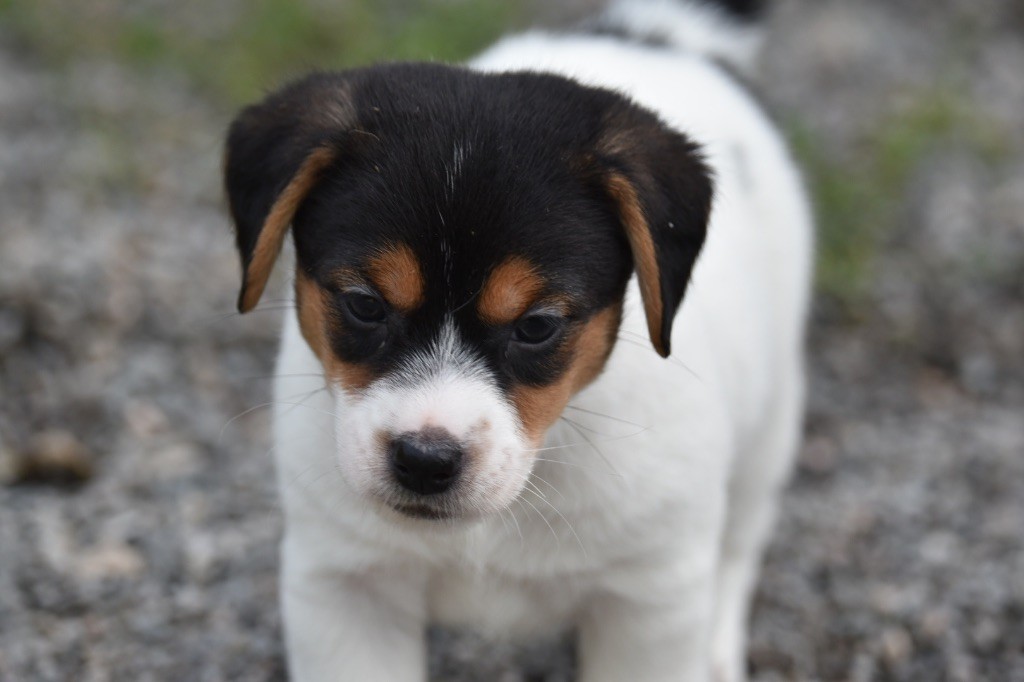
(860, 196)
(236, 50)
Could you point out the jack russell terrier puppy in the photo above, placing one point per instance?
(478, 419)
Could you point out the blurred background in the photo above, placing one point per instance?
(138, 519)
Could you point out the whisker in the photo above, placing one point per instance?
(548, 484)
(562, 516)
(309, 395)
(363, 132)
(328, 504)
(531, 486)
(270, 403)
(565, 446)
(558, 539)
(515, 523)
(468, 301)
(585, 428)
(239, 416)
(644, 344)
(270, 453)
(605, 416)
(504, 523)
(579, 466)
(610, 437)
(590, 442)
(299, 475)
(553, 447)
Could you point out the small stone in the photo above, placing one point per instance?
(939, 548)
(888, 599)
(109, 561)
(986, 634)
(176, 461)
(935, 623)
(896, 645)
(144, 418)
(55, 457)
(863, 668)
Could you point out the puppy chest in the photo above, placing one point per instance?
(497, 604)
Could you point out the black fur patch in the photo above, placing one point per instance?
(468, 169)
(611, 30)
(747, 10)
(743, 11)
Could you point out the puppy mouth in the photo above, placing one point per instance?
(422, 507)
(423, 512)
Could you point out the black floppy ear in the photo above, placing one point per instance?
(662, 191)
(276, 152)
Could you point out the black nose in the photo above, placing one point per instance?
(425, 464)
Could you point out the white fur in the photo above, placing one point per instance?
(643, 529)
(443, 388)
(692, 25)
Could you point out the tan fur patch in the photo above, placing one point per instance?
(316, 324)
(509, 291)
(644, 256)
(396, 273)
(539, 407)
(345, 277)
(275, 227)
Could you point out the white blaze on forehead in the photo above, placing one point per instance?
(454, 170)
(445, 386)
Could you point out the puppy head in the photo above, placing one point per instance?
(463, 243)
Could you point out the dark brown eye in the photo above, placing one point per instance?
(366, 308)
(535, 329)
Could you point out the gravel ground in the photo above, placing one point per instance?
(139, 522)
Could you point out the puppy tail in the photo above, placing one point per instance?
(726, 30)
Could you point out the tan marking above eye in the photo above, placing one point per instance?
(540, 406)
(396, 273)
(316, 324)
(345, 277)
(509, 291)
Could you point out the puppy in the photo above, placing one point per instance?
(478, 419)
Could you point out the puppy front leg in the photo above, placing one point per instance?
(365, 628)
(660, 636)
(647, 642)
